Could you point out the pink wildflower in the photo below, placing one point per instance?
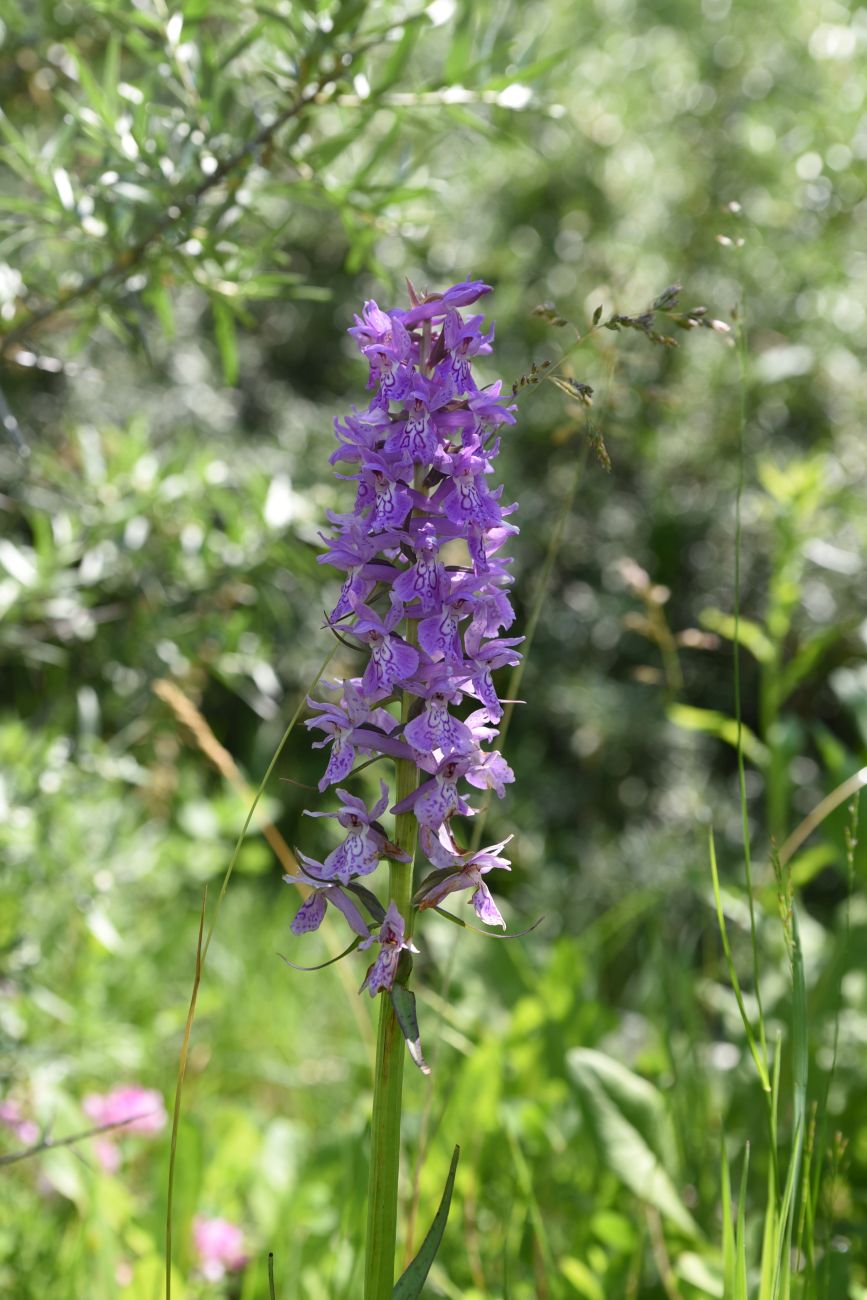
(12, 1117)
(220, 1247)
(142, 1107)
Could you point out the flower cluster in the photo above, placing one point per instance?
(425, 595)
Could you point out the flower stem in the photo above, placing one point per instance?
(388, 1072)
(382, 1184)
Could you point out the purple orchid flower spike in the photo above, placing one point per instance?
(392, 943)
(311, 913)
(366, 841)
(459, 871)
(425, 598)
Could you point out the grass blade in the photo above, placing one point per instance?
(740, 1287)
(758, 1057)
(176, 1111)
(728, 1227)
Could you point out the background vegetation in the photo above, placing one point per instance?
(196, 197)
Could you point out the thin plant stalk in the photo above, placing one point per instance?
(388, 1072)
(742, 785)
(384, 1176)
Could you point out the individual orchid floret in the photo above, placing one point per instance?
(351, 727)
(436, 800)
(392, 943)
(415, 438)
(388, 366)
(463, 340)
(464, 498)
(425, 580)
(435, 727)
(366, 841)
(458, 871)
(373, 326)
(482, 659)
(360, 433)
(439, 634)
(391, 659)
(311, 913)
(386, 497)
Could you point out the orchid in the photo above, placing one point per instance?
(425, 597)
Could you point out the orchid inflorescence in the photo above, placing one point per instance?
(425, 595)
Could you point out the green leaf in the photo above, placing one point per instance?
(410, 1283)
(158, 299)
(369, 899)
(702, 1274)
(581, 1279)
(403, 1001)
(749, 634)
(720, 725)
(630, 1124)
(224, 332)
(460, 51)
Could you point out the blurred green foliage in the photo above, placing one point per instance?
(195, 199)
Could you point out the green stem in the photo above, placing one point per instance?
(382, 1184)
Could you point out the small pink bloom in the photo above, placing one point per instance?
(124, 1274)
(220, 1247)
(107, 1154)
(12, 1117)
(143, 1107)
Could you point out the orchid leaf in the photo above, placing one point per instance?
(323, 964)
(369, 899)
(403, 1001)
(488, 934)
(409, 1284)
